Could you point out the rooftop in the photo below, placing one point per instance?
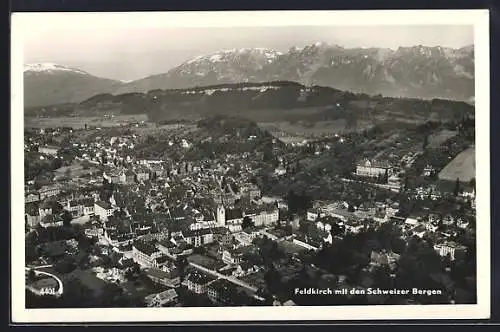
(156, 273)
(104, 205)
(200, 278)
(165, 296)
(145, 248)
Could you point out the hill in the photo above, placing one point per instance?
(264, 102)
(47, 84)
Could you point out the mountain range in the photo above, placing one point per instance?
(415, 72)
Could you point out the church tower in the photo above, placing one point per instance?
(221, 215)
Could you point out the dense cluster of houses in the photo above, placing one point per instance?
(211, 210)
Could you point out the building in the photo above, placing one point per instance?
(264, 217)
(372, 168)
(199, 237)
(49, 150)
(166, 246)
(202, 224)
(221, 215)
(51, 221)
(245, 268)
(222, 198)
(169, 279)
(313, 214)
(232, 256)
(45, 209)
(32, 216)
(223, 236)
(198, 282)
(233, 217)
(160, 299)
(141, 174)
(75, 207)
(117, 239)
(145, 254)
(31, 197)
(157, 170)
(88, 207)
(127, 177)
(112, 176)
(103, 210)
(411, 222)
(450, 248)
(49, 191)
(221, 291)
(280, 170)
(428, 171)
(251, 191)
(384, 258)
(94, 232)
(381, 216)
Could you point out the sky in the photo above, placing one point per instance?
(127, 51)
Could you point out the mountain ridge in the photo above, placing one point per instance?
(414, 72)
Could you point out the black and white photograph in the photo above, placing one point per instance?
(302, 165)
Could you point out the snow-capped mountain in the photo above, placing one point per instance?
(51, 68)
(49, 83)
(226, 66)
(419, 71)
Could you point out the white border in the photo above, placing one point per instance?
(478, 18)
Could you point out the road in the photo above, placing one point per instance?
(228, 278)
(60, 289)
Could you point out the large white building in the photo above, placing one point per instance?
(260, 217)
(449, 248)
(199, 237)
(146, 255)
(103, 210)
(264, 217)
(372, 168)
(48, 149)
(49, 191)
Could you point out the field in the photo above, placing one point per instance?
(462, 166)
(75, 170)
(439, 138)
(300, 130)
(79, 122)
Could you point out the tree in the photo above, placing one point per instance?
(406, 183)
(386, 176)
(56, 163)
(337, 229)
(66, 218)
(247, 222)
(31, 275)
(472, 183)
(65, 265)
(456, 191)
(426, 141)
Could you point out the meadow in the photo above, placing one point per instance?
(463, 167)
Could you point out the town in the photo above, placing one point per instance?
(220, 212)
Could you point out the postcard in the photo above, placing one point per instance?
(288, 165)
